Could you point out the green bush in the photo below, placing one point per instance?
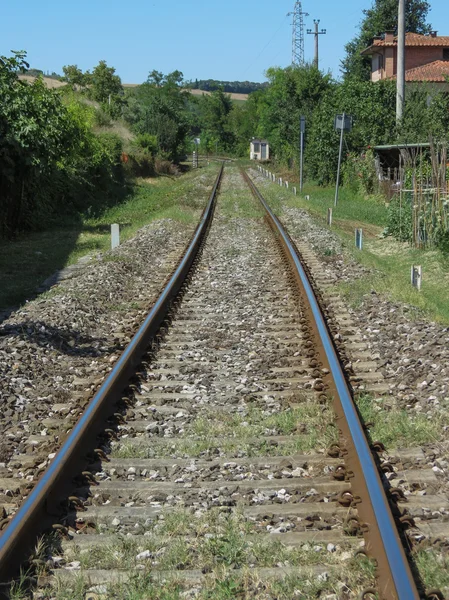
(400, 222)
(139, 164)
(359, 173)
(102, 119)
(146, 142)
(50, 159)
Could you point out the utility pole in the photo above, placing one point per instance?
(302, 128)
(298, 34)
(400, 75)
(316, 33)
(342, 123)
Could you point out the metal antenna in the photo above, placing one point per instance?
(298, 34)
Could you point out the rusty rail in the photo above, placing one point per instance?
(43, 505)
(395, 578)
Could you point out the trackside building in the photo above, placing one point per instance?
(259, 149)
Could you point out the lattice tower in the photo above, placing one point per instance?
(298, 34)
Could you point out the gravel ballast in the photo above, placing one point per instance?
(57, 348)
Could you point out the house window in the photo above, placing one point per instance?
(376, 63)
(256, 148)
(445, 53)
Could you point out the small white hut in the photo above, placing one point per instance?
(259, 149)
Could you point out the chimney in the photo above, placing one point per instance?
(389, 37)
(433, 33)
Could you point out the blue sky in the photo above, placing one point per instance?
(232, 40)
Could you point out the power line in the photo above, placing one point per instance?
(266, 46)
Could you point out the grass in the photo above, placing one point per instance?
(315, 424)
(236, 200)
(217, 543)
(388, 259)
(390, 262)
(226, 547)
(229, 448)
(26, 261)
(433, 566)
(230, 549)
(225, 584)
(399, 428)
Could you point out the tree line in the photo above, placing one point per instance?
(57, 153)
(237, 87)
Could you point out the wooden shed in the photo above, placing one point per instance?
(259, 149)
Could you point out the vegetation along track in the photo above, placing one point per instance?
(216, 445)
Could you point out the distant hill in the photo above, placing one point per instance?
(50, 82)
(234, 96)
(38, 72)
(231, 87)
(198, 92)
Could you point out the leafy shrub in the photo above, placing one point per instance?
(102, 119)
(139, 164)
(359, 172)
(400, 222)
(50, 159)
(146, 142)
(165, 167)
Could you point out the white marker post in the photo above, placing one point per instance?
(196, 163)
(329, 216)
(359, 238)
(115, 235)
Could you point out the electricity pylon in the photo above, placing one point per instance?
(298, 34)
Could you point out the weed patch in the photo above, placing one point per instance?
(395, 427)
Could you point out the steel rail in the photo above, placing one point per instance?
(39, 509)
(395, 576)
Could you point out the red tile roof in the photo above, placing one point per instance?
(411, 39)
(433, 72)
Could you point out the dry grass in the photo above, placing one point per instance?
(49, 82)
(234, 96)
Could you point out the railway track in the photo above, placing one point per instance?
(230, 461)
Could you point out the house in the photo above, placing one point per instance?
(259, 150)
(426, 58)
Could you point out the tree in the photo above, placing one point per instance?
(159, 108)
(244, 122)
(293, 92)
(105, 83)
(215, 126)
(381, 17)
(75, 77)
(372, 107)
